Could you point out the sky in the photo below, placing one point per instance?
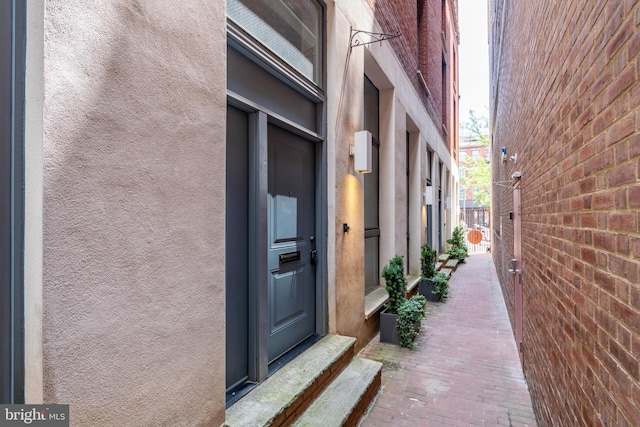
(473, 57)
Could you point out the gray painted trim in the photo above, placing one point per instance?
(322, 300)
(12, 250)
(258, 189)
(248, 105)
(245, 44)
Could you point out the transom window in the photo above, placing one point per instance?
(292, 29)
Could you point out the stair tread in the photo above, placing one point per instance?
(438, 266)
(452, 263)
(338, 400)
(443, 257)
(447, 272)
(271, 398)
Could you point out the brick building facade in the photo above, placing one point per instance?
(565, 94)
(470, 151)
(428, 44)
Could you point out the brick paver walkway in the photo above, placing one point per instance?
(464, 370)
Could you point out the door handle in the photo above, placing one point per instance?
(314, 256)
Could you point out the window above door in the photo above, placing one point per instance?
(292, 29)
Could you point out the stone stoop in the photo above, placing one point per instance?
(443, 258)
(347, 398)
(288, 393)
(447, 272)
(452, 264)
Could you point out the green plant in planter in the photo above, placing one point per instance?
(441, 284)
(410, 315)
(458, 249)
(393, 274)
(427, 262)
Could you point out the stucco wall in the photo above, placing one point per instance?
(401, 110)
(133, 217)
(346, 203)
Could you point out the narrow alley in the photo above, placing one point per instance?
(464, 370)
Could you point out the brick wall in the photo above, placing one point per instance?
(565, 98)
(421, 47)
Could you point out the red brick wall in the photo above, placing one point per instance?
(565, 98)
(420, 47)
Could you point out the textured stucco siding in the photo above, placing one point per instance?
(133, 211)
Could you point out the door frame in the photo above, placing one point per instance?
(517, 269)
(12, 146)
(257, 101)
(259, 120)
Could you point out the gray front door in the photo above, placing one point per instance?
(291, 239)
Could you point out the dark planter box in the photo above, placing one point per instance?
(388, 330)
(426, 288)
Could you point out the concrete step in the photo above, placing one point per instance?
(288, 393)
(347, 398)
(444, 257)
(447, 272)
(452, 264)
(439, 266)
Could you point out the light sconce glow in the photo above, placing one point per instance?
(362, 152)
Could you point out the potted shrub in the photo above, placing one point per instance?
(410, 312)
(428, 270)
(441, 285)
(393, 275)
(458, 249)
(410, 315)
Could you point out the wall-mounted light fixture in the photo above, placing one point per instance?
(362, 152)
(428, 195)
(503, 156)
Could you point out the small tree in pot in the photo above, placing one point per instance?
(428, 270)
(393, 275)
(458, 249)
(400, 321)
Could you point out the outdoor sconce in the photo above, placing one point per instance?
(503, 156)
(362, 152)
(428, 195)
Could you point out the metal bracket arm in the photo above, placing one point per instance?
(377, 37)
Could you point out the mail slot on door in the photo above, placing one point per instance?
(289, 257)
